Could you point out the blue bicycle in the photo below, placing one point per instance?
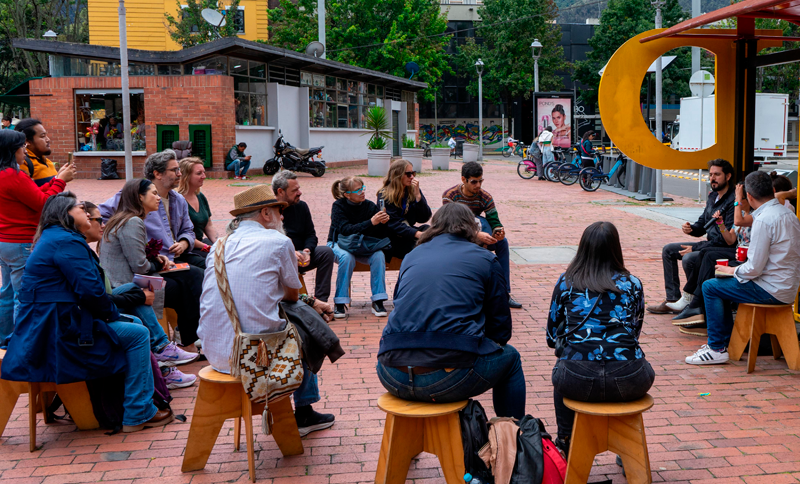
(592, 177)
(568, 172)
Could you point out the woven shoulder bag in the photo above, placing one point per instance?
(269, 364)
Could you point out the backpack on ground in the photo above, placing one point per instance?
(474, 435)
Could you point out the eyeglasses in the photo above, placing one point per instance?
(359, 191)
(96, 219)
(475, 182)
(177, 170)
(411, 174)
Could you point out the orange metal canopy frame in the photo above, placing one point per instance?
(774, 9)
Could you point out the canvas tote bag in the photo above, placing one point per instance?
(269, 364)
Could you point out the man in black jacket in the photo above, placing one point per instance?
(299, 227)
(721, 198)
(446, 339)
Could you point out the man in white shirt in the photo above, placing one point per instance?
(769, 276)
(262, 272)
(545, 141)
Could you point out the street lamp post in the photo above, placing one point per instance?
(479, 68)
(126, 98)
(536, 52)
(658, 4)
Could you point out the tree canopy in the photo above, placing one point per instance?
(505, 34)
(191, 29)
(382, 35)
(620, 21)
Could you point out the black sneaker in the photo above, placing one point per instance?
(311, 421)
(339, 311)
(512, 303)
(378, 309)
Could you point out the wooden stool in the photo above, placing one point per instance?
(413, 427)
(169, 320)
(303, 289)
(617, 427)
(74, 395)
(753, 320)
(221, 397)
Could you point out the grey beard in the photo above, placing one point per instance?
(278, 227)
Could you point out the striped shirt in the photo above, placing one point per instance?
(480, 203)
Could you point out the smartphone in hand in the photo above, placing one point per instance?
(382, 205)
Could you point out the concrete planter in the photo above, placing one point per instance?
(440, 158)
(378, 162)
(414, 156)
(470, 152)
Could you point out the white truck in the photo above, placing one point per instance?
(772, 116)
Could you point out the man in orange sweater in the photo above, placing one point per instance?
(37, 165)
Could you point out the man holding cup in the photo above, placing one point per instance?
(769, 276)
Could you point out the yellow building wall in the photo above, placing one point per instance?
(147, 26)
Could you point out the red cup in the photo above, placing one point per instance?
(741, 253)
(722, 262)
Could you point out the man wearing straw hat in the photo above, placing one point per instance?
(262, 272)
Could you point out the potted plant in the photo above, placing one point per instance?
(470, 150)
(440, 156)
(378, 157)
(412, 153)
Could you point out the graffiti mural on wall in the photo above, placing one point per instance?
(469, 131)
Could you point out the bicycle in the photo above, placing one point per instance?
(568, 172)
(518, 149)
(592, 177)
(550, 168)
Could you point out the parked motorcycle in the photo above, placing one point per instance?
(288, 157)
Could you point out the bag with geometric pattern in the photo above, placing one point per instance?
(270, 365)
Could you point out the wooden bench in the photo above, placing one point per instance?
(753, 320)
(414, 427)
(393, 265)
(169, 320)
(220, 397)
(617, 427)
(74, 395)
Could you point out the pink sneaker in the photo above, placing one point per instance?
(176, 379)
(237, 178)
(172, 355)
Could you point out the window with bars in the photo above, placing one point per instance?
(238, 19)
(339, 103)
(250, 91)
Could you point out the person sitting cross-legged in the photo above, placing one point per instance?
(769, 276)
(261, 270)
(492, 234)
(447, 338)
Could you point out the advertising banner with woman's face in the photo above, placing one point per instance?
(556, 113)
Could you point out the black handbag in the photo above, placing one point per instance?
(361, 245)
(562, 334)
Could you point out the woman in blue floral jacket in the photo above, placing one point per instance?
(599, 305)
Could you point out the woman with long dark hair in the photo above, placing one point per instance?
(22, 201)
(123, 253)
(406, 206)
(598, 310)
(68, 329)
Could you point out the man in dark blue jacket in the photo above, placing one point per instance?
(446, 339)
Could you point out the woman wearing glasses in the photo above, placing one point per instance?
(406, 206)
(353, 214)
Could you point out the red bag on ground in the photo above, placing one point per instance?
(555, 466)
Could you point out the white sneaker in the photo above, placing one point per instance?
(707, 356)
(681, 303)
(175, 379)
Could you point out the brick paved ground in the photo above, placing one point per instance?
(746, 429)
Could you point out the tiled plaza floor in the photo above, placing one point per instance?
(746, 429)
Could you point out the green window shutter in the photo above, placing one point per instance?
(166, 134)
(200, 136)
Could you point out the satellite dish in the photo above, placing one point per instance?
(412, 68)
(213, 17)
(315, 48)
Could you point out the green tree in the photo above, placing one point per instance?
(191, 29)
(505, 33)
(382, 35)
(620, 21)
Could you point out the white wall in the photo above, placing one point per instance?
(259, 141)
(340, 144)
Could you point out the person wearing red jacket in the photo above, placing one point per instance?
(22, 201)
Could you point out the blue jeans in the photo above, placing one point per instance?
(501, 251)
(501, 371)
(308, 391)
(347, 263)
(138, 405)
(718, 295)
(12, 265)
(238, 167)
(158, 339)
